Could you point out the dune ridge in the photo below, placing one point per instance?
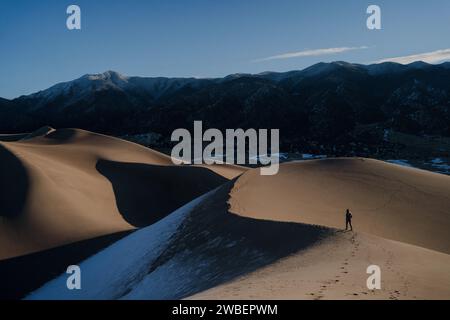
(193, 249)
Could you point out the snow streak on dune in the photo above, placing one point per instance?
(197, 247)
(114, 271)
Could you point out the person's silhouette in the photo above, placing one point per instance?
(348, 220)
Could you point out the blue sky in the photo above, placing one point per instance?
(205, 38)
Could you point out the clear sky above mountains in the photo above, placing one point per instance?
(203, 38)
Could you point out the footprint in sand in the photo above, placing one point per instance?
(394, 295)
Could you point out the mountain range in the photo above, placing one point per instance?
(335, 108)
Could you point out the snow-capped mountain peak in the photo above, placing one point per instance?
(82, 87)
(109, 76)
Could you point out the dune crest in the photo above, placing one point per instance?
(387, 200)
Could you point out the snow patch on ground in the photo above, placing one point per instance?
(440, 165)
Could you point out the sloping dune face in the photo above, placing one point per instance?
(389, 201)
(62, 186)
(336, 269)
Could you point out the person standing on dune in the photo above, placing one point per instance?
(348, 220)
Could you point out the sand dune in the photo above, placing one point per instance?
(271, 237)
(62, 186)
(387, 200)
(193, 249)
(202, 251)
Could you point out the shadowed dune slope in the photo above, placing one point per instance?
(141, 189)
(21, 275)
(62, 186)
(387, 200)
(195, 248)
